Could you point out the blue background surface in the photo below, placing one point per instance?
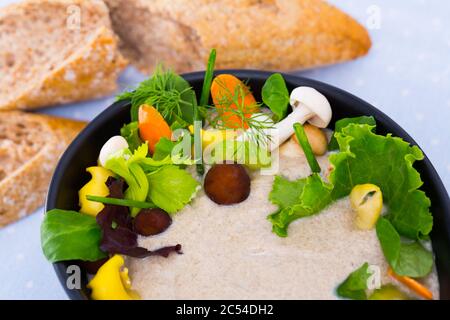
(406, 75)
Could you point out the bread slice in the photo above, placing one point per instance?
(30, 147)
(259, 34)
(56, 51)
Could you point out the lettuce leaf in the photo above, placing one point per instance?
(131, 133)
(126, 165)
(297, 199)
(171, 188)
(354, 287)
(341, 124)
(163, 148)
(388, 163)
(364, 157)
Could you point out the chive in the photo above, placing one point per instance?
(122, 202)
(208, 78)
(204, 101)
(304, 143)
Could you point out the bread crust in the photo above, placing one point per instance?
(89, 70)
(263, 34)
(24, 190)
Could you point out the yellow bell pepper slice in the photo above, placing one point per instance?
(210, 137)
(95, 187)
(112, 281)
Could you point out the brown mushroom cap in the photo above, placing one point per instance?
(150, 222)
(227, 184)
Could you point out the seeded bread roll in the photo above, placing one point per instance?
(30, 147)
(258, 34)
(56, 51)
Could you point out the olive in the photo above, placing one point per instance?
(150, 222)
(227, 184)
(92, 267)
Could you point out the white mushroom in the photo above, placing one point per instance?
(111, 146)
(308, 105)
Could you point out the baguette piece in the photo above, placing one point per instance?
(30, 147)
(48, 58)
(258, 34)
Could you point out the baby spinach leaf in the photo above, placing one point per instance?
(70, 235)
(341, 124)
(171, 188)
(276, 96)
(354, 287)
(406, 259)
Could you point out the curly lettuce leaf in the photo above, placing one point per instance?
(354, 287)
(341, 124)
(387, 162)
(364, 157)
(405, 258)
(297, 199)
(171, 188)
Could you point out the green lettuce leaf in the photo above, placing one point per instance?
(385, 161)
(406, 259)
(171, 188)
(341, 124)
(128, 166)
(70, 235)
(354, 287)
(388, 163)
(297, 199)
(131, 133)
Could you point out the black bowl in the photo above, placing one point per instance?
(70, 174)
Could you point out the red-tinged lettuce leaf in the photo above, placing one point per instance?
(116, 223)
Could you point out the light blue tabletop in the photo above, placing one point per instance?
(406, 75)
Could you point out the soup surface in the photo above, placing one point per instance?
(231, 253)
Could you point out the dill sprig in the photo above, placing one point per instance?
(232, 107)
(162, 91)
